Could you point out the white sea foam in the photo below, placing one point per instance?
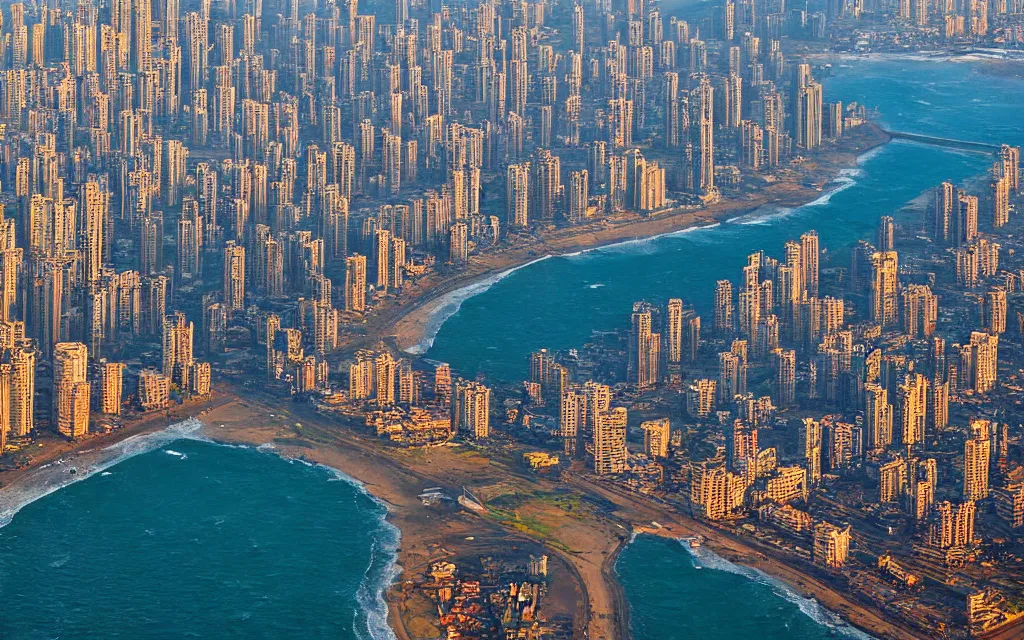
(706, 559)
(870, 154)
(52, 477)
(643, 245)
(767, 214)
(762, 215)
(381, 572)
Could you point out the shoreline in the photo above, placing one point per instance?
(705, 557)
(424, 535)
(415, 326)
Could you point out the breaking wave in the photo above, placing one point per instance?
(76, 467)
(706, 559)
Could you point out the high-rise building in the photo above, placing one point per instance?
(177, 349)
(809, 252)
(111, 382)
(886, 234)
(784, 389)
(920, 310)
(517, 194)
(578, 196)
(724, 323)
(700, 398)
(884, 286)
(702, 123)
(944, 212)
(234, 276)
(953, 528)
(1010, 159)
(458, 243)
(610, 442)
(355, 283)
(644, 348)
(23, 386)
(831, 545)
(545, 185)
(471, 409)
(977, 456)
(994, 311)
(912, 396)
(809, 116)
(154, 390)
(892, 480)
(1000, 201)
(981, 368)
(965, 219)
(71, 389)
(657, 434)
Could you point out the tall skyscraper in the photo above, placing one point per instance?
(517, 194)
(884, 285)
(977, 455)
(234, 276)
(111, 384)
(644, 348)
(784, 363)
(809, 252)
(355, 283)
(71, 390)
(702, 133)
(724, 322)
(610, 442)
(177, 349)
(471, 409)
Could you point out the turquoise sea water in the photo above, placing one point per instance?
(198, 540)
(557, 302)
(677, 595)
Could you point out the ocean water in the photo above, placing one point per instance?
(557, 303)
(679, 594)
(198, 540)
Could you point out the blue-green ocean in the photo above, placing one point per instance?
(558, 301)
(198, 540)
(192, 539)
